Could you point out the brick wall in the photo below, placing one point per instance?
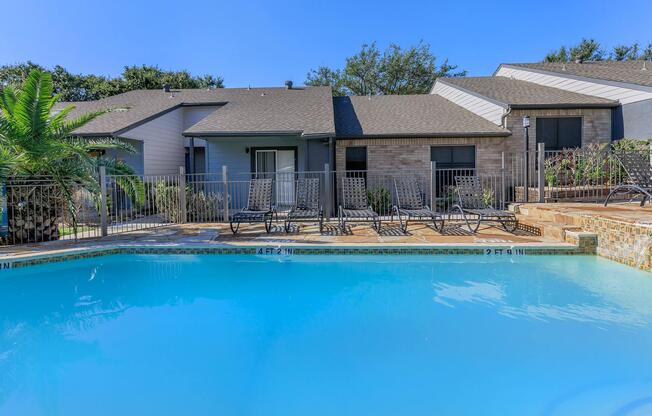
(414, 153)
(596, 126)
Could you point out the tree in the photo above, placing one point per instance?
(394, 71)
(42, 143)
(589, 50)
(324, 76)
(78, 87)
(625, 53)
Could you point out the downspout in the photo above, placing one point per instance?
(504, 117)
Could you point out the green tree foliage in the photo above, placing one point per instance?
(589, 50)
(394, 71)
(35, 140)
(78, 87)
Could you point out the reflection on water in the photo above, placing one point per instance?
(608, 299)
(474, 292)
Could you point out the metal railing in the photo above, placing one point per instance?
(37, 209)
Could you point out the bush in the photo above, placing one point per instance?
(380, 200)
(200, 206)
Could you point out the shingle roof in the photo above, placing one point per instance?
(518, 93)
(307, 111)
(408, 115)
(631, 72)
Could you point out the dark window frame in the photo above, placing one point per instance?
(452, 165)
(366, 158)
(557, 118)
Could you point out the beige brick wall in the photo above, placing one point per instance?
(414, 153)
(596, 126)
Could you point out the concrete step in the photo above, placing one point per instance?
(548, 229)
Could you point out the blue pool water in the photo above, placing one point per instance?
(326, 335)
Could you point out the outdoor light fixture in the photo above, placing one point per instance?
(526, 126)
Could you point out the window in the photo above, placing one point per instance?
(560, 133)
(356, 158)
(453, 157)
(451, 161)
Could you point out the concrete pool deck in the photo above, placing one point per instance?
(218, 237)
(621, 232)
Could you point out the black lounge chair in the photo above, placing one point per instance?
(259, 206)
(307, 207)
(355, 205)
(471, 201)
(409, 204)
(639, 176)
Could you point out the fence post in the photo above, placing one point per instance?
(183, 211)
(541, 162)
(103, 203)
(225, 195)
(433, 183)
(503, 188)
(328, 203)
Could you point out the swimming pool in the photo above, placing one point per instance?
(326, 335)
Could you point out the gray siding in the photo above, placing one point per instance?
(588, 87)
(163, 143)
(637, 120)
(231, 152)
(485, 109)
(135, 160)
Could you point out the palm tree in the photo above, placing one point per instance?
(36, 141)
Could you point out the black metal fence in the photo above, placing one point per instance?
(38, 210)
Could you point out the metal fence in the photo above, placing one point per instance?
(37, 210)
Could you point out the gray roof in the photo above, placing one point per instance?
(516, 93)
(305, 111)
(630, 72)
(408, 115)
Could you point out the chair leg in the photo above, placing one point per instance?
(441, 224)
(287, 226)
(268, 224)
(235, 229)
(404, 227)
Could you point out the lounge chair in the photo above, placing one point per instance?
(307, 207)
(471, 202)
(409, 204)
(259, 206)
(355, 205)
(639, 176)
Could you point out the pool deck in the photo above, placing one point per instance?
(360, 236)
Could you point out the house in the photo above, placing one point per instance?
(558, 118)
(627, 82)
(407, 132)
(248, 129)
(464, 122)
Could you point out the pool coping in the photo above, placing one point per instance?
(288, 249)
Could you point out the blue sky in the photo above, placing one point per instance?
(261, 43)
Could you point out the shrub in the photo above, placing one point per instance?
(380, 200)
